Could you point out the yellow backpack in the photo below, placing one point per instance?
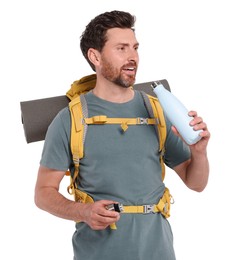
(80, 121)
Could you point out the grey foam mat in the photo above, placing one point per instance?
(38, 114)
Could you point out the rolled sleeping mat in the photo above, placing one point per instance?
(37, 114)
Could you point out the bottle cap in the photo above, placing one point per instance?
(154, 84)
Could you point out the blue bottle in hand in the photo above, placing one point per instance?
(177, 113)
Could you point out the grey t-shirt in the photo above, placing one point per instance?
(120, 166)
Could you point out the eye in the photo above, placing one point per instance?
(136, 47)
(121, 48)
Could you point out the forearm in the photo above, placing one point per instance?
(50, 200)
(94, 214)
(197, 172)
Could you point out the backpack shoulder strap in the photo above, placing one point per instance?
(155, 111)
(78, 111)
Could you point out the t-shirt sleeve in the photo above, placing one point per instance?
(176, 151)
(56, 152)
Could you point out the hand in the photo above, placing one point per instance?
(97, 216)
(198, 124)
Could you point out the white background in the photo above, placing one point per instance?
(186, 42)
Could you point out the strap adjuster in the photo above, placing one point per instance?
(149, 209)
(143, 121)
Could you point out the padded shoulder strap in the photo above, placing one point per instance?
(155, 110)
(76, 128)
(158, 112)
(78, 111)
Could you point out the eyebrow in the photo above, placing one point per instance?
(127, 44)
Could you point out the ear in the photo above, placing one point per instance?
(93, 56)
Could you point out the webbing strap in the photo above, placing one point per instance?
(124, 122)
(85, 114)
(163, 206)
(140, 209)
(130, 121)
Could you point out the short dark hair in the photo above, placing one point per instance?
(94, 35)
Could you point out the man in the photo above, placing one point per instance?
(117, 166)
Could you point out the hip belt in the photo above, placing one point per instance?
(163, 207)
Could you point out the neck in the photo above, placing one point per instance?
(113, 93)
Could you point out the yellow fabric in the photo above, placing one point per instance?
(133, 209)
(82, 197)
(77, 146)
(82, 85)
(162, 130)
(108, 120)
(124, 122)
(163, 206)
(113, 226)
(158, 113)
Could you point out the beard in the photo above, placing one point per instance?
(115, 76)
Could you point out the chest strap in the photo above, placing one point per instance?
(124, 122)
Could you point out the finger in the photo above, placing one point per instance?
(100, 222)
(99, 226)
(205, 134)
(196, 120)
(200, 126)
(108, 213)
(104, 211)
(192, 113)
(100, 210)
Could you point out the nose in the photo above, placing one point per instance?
(133, 55)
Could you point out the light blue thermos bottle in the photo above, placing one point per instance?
(176, 112)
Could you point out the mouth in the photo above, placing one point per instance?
(131, 70)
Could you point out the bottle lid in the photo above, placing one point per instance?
(154, 84)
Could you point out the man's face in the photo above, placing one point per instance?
(119, 57)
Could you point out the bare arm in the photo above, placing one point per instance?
(48, 198)
(195, 172)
